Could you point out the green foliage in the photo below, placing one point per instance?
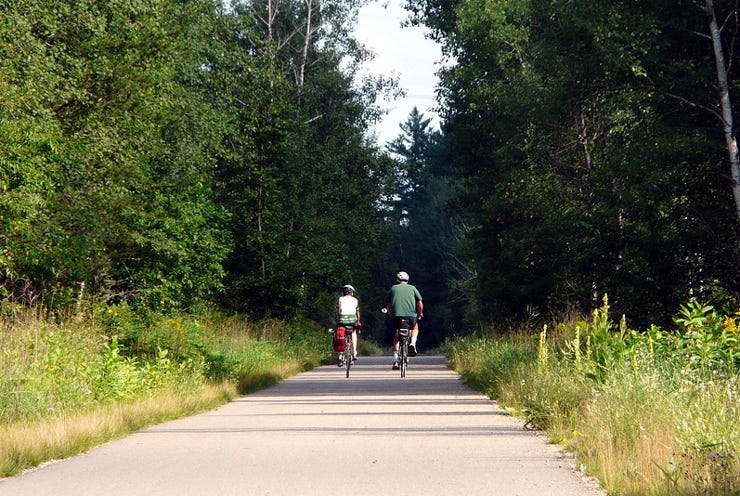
(585, 162)
(122, 196)
(704, 342)
(161, 153)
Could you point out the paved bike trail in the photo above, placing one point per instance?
(319, 433)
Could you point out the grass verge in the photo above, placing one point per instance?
(69, 385)
(652, 413)
(27, 444)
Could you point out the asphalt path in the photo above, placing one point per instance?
(319, 433)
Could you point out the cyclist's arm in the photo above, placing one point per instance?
(419, 309)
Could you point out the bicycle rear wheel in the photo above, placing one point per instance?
(348, 357)
(404, 358)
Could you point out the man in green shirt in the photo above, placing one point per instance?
(404, 302)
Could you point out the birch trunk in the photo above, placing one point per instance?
(306, 44)
(725, 104)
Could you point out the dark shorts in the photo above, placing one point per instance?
(404, 322)
(350, 327)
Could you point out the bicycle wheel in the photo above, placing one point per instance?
(348, 356)
(404, 358)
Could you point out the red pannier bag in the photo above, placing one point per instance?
(340, 339)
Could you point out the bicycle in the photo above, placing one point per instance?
(347, 356)
(403, 331)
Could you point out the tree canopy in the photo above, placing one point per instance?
(590, 157)
(173, 153)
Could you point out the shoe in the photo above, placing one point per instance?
(354, 358)
(412, 350)
(395, 366)
(341, 363)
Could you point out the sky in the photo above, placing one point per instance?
(405, 53)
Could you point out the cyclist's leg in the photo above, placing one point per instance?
(354, 343)
(396, 341)
(414, 334)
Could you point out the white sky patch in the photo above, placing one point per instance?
(403, 52)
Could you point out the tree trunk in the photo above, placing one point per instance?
(306, 44)
(583, 140)
(726, 106)
(272, 12)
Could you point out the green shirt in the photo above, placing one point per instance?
(403, 298)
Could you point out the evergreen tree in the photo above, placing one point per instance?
(568, 123)
(425, 243)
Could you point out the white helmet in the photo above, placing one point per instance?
(402, 276)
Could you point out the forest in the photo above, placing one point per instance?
(176, 155)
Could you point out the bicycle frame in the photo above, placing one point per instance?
(348, 350)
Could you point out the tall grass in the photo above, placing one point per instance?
(68, 384)
(648, 413)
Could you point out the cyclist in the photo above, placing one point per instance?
(404, 301)
(348, 314)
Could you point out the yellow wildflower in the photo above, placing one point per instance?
(729, 325)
